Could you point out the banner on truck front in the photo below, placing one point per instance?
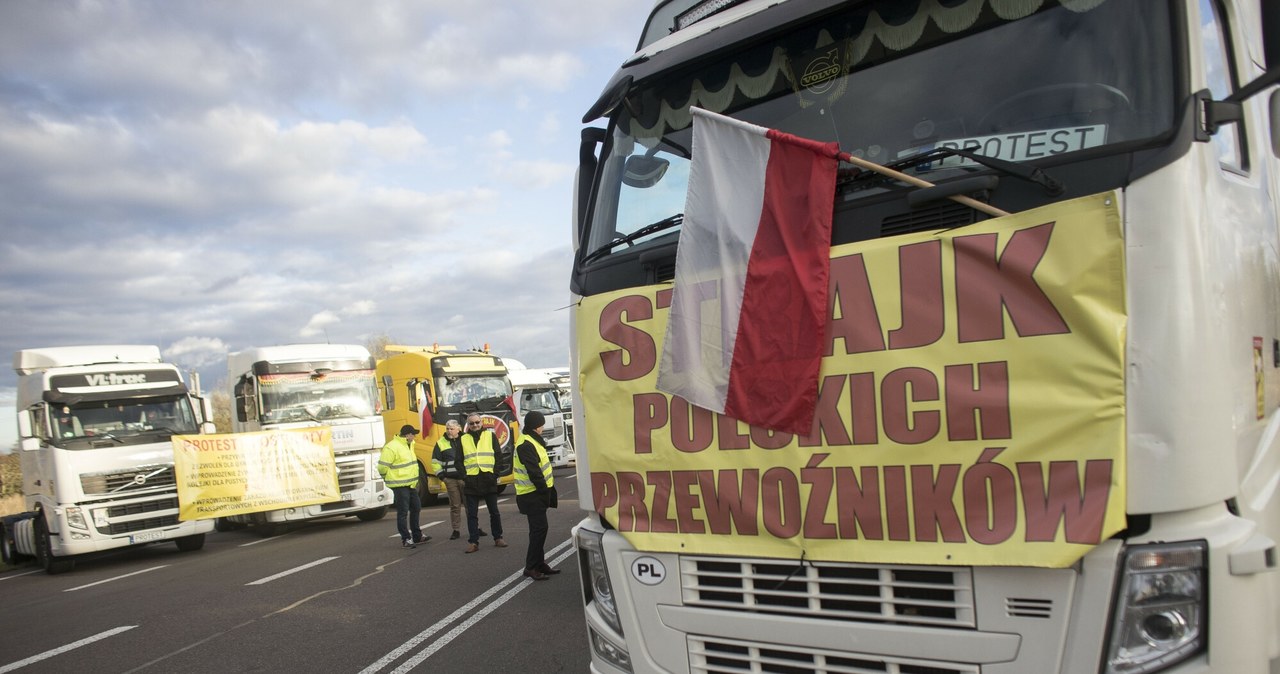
(237, 473)
(970, 408)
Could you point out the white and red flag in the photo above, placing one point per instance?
(749, 307)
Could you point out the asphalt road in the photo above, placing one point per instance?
(333, 595)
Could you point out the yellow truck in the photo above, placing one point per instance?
(428, 385)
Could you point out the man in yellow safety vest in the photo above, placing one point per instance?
(479, 452)
(398, 466)
(535, 492)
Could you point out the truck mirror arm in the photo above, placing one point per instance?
(1230, 109)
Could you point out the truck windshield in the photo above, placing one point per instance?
(545, 400)
(129, 421)
(318, 396)
(1016, 79)
(457, 390)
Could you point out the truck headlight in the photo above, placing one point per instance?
(75, 518)
(595, 575)
(1160, 609)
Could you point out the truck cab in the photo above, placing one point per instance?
(95, 425)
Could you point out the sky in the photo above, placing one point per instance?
(213, 176)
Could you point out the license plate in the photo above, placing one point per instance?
(147, 536)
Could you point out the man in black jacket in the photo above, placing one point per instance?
(446, 463)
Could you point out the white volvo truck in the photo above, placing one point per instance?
(1030, 453)
(302, 385)
(94, 425)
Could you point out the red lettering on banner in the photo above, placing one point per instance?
(986, 286)
(780, 502)
(632, 515)
(731, 503)
(988, 397)
(858, 505)
(692, 427)
(920, 281)
(900, 388)
(932, 498)
(659, 521)
(682, 481)
(1062, 502)
(649, 413)
(853, 318)
(638, 354)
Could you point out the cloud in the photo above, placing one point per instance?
(195, 352)
(214, 177)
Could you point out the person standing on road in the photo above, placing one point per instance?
(447, 464)
(535, 492)
(479, 452)
(398, 466)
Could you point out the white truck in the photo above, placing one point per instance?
(535, 390)
(94, 428)
(1045, 439)
(303, 385)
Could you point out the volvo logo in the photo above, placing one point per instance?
(140, 479)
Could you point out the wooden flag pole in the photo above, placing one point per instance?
(898, 175)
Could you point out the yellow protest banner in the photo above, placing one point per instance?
(236, 473)
(970, 408)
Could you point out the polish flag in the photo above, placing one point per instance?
(749, 307)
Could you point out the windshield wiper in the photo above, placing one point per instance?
(1024, 171)
(663, 224)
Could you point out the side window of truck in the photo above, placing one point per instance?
(1220, 73)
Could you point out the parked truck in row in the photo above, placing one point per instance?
(303, 385)
(94, 426)
(426, 386)
(536, 390)
(1046, 421)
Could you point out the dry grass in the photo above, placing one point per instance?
(10, 504)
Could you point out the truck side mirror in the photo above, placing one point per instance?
(24, 424)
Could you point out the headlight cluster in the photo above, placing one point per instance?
(1160, 609)
(597, 590)
(596, 576)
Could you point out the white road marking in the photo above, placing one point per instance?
(462, 627)
(27, 573)
(63, 649)
(420, 528)
(261, 540)
(81, 587)
(282, 574)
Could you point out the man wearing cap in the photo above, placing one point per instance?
(535, 492)
(398, 466)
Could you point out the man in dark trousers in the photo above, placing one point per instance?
(479, 452)
(535, 492)
(398, 466)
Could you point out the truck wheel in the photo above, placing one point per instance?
(372, 515)
(8, 549)
(189, 543)
(44, 550)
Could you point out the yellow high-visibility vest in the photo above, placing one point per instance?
(524, 485)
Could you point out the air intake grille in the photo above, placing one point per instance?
(707, 656)
(904, 595)
(1028, 608)
(351, 475)
(943, 216)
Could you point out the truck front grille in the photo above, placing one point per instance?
(153, 477)
(352, 474)
(723, 655)
(903, 595)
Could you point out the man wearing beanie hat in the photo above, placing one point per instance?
(535, 492)
(398, 466)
